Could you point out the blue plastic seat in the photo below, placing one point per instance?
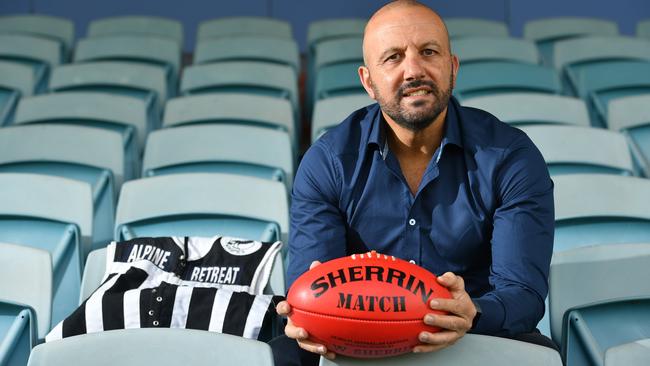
(471, 350)
(117, 113)
(244, 26)
(633, 353)
(326, 55)
(17, 81)
(590, 310)
(643, 28)
(220, 148)
(40, 54)
(55, 215)
(85, 154)
(495, 77)
(137, 25)
(470, 27)
(164, 347)
(332, 111)
(631, 115)
(57, 29)
(338, 80)
(482, 48)
(575, 150)
(25, 300)
(546, 31)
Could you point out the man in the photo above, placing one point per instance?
(421, 178)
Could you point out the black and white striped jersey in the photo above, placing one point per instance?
(212, 284)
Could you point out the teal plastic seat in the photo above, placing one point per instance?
(631, 115)
(482, 48)
(250, 48)
(145, 82)
(41, 54)
(220, 148)
(244, 26)
(203, 204)
(164, 347)
(251, 77)
(17, 81)
(633, 353)
(590, 310)
(327, 29)
(55, 215)
(545, 32)
(495, 77)
(520, 109)
(232, 108)
(162, 52)
(137, 25)
(643, 28)
(469, 27)
(332, 111)
(125, 115)
(25, 300)
(87, 154)
(471, 350)
(337, 80)
(576, 150)
(58, 29)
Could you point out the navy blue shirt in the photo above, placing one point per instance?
(483, 210)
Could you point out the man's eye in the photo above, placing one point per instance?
(428, 52)
(393, 57)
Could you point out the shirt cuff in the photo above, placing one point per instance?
(492, 316)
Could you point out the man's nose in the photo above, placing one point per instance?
(413, 68)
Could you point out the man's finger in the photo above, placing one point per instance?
(451, 281)
(295, 332)
(450, 322)
(313, 347)
(283, 308)
(442, 338)
(314, 264)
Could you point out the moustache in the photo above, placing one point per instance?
(417, 84)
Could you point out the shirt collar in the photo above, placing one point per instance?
(453, 135)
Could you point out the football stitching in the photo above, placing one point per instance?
(358, 319)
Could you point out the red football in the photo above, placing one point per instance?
(365, 305)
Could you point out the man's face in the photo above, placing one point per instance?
(410, 70)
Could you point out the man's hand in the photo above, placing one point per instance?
(299, 334)
(454, 325)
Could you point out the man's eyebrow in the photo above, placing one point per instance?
(389, 51)
(431, 43)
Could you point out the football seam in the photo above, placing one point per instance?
(359, 319)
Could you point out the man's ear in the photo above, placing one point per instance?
(366, 81)
(455, 65)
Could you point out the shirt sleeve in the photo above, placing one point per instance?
(317, 226)
(522, 243)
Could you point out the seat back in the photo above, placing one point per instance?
(44, 26)
(482, 48)
(548, 29)
(322, 30)
(153, 346)
(244, 26)
(17, 77)
(27, 274)
(336, 51)
(472, 349)
(248, 150)
(331, 111)
(250, 48)
(533, 108)
(631, 115)
(633, 353)
(337, 80)
(468, 27)
(137, 25)
(570, 150)
(33, 49)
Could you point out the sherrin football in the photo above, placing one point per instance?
(365, 305)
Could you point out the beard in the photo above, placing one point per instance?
(419, 117)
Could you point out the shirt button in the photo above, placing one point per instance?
(150, 312)
(155, 323)
(159, 299)
(412, 222)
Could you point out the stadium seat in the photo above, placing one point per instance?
(40, 54)
(249, 48)
(633, 353)
(251, 77)
(138, 26)
(43, 26)
(338, 79)
(162, 52)
(25, 300)
(55, 215)
(328, 29)
(17, 81)
(545, 32)
(631, 115)
(481, 49)
(332, 111)
(144, 82)
(590, 310)
(469, 27)
(112, 112)
(244, 26)
(203, 204)
(533, 108)
(232, 108)
(224, 148)
(471, 350)
(598, 83)
(572, 55)
(595, 209)
(163, 347)
(643, 29)
(573, 149)
(86, 154)
(495, 77)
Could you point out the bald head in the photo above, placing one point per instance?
(398, 16)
